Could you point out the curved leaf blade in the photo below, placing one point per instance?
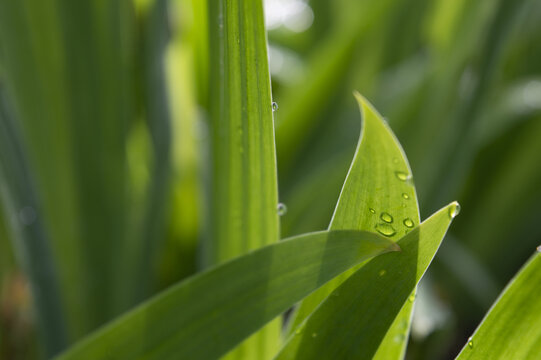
(208, 314)
(378, 184)
(354, 320)
(512, 328)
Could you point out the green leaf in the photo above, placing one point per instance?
(512, 328)
(378, 195)
(244, 190)
(206, 315)
(29, 239)
(353, 321)
(70, 77)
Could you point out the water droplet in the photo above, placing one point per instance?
(405, 196)
(454, 210)
(282, 209)
(386, 217)
(382, 272)
(402, 175)
(372, 211)
(314, 335)
(411, 298)
(385, 229)
(274, 106)
(404, 325)
(408, 222)
(27, 215)
(470, 342)
(539, 249)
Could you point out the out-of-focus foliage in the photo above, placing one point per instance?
(105, 146)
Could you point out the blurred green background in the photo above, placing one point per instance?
(103, 146)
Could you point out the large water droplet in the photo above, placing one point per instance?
(385, 229)
(405, 196)
(402, 175)
(408, 222)
(274, 106)
(470, 342)
(386, 217)
(372, 210)
(454, 210)
(282, 209)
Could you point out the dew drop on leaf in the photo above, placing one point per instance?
(539, 249)
(274, 106)
(402, 175)
(399, 338)
(372, 211)
(408, 222)
(405, 196)
(454, 210)
(282, 209)
(386, 217)
(411, 298)
(470, 342)
(385, 229)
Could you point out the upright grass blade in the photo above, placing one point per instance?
(512, 328)
(29, 238)
(69, 74)
(354, 320)
(378, 196)
(157, 114)
(206, 315)
(243, 205)
(36, 87)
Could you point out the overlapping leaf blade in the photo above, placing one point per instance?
(379, 196)
(353, 321)
(206, 315)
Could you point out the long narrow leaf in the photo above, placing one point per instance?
(353, 321)
(244, 195)
(378, 196)
(512, 328)
(206, 315)
(30, 241)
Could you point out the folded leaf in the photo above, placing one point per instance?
(208, 314)
(353, 321)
